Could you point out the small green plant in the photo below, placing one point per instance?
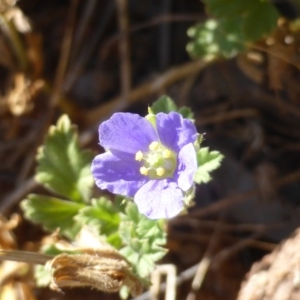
(131, 225)
(234, 25)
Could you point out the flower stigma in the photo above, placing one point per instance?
(158, 163)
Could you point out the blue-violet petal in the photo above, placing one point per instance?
(159, 199)
(127, 132)
(117, 175)
(175, 131)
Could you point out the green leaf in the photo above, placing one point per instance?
(124, 292)
(52, 213)
(228, 8)
(207, 162)
(186, 112)
(42, 276)
(214, 39)
(143, 240)
(260, 21)
(104, 216)
(164, 104)
(237, 23)
(62, 166)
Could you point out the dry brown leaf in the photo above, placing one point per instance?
(97, 265)
(14, 276)
(7, 239)
(106, 272)
(16, 291)
(20, 97)
(251, 64)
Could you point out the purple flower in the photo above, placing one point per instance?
(152, 162)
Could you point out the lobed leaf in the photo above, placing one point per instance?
(143, 239)
(207, 162)
(237, 23)
(52, 213)
(214, 39)
(260, 21)
(186, 112)
(228, 8)
(104, 216)
(165, 104)
(62, 166)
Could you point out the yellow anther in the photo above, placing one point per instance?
(144, 171)
(153, 146)
(139, 156)
(160, 171)
(167, 153)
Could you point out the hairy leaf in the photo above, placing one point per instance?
(236, 24)
(214, 39)
(52, 213)
(62, 166)
(104, 216)
(207, 162)
(143, 240)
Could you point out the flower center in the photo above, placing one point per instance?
(158, 163)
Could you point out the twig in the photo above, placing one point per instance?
(182, 277)
(30, 156)
(168, 18)
(15, 41)
(231, 200)
(203, 267)
(82, 28)
(164, 80)
(205, 262)
(158, 21)
(205, 238)
(57, 90)
(190, 273)
(170, 271)
(25, 256)
(14, 197)
(196, 224)
(165, 37)
(227, 252)
(228, 116)
(65, 54)
(124, 48)
(186, 88)
(76, 69)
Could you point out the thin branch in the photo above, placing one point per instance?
(83, 23)
(231, 200)
(162, 81)
(24, 256)
(124, 48)
(205, 262)
(77, 67)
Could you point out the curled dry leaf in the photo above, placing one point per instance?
(107, 272)
(16, 291)
(98, 266)
(15, 277)
(7, 240)
(19, 98)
